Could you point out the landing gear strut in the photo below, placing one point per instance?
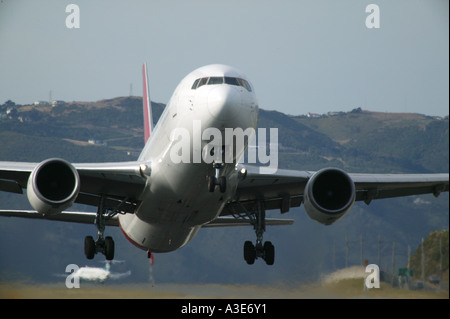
(213, 181)
(101, 245)
(265, 251)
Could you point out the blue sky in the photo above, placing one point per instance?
(302, 56)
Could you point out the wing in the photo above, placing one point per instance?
(66, 216)
(285, 188)
(120, 183)
(376, 186)
(281, 190)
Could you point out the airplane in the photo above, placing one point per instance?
(96, 273)
(160, 203)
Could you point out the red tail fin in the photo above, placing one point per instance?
(148, 118)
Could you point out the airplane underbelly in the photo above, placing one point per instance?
(175, 206)
(178, 193)
(155, 238)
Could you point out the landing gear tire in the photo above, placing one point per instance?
(211, 183)
(222, 184)
(89, 247)
(265, 251)
(104, 245)
(249, 252)
(269, 253)
(109, 248)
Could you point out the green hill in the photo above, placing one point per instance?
(403, 142)
(355, 141)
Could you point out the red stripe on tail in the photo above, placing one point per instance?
(148, 120)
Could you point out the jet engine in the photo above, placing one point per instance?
(53, 186)
(329, 194)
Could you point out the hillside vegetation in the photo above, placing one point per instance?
(435, 246)
(358, 141)
(112, 130)
(414, 142)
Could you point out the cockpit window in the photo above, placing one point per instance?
(214, 80)
(245, 84)
(231, 81)
(202, 82)
(194, 86)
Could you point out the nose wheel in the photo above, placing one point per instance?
(217, 180)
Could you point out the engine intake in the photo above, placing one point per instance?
(53, 186)
(329, 194)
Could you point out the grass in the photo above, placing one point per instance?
(342, 289)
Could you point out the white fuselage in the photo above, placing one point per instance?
(176, 201)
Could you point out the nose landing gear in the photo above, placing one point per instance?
(217, 180)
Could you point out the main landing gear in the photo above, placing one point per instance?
(104, 245)
(265, 251)
(217, 180)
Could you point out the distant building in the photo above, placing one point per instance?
(313, 115)
(57, 102)
(97, 142)
(41, 103)
(11, 111)
(133, 153)
(334, 113)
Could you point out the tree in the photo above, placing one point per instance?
(9, 103)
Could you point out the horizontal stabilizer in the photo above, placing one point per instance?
(227, 221)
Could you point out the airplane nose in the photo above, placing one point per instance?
(224, 102)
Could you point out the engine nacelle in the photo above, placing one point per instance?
(329, 194)
(53, 186)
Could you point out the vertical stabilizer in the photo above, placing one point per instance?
(148, 118)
